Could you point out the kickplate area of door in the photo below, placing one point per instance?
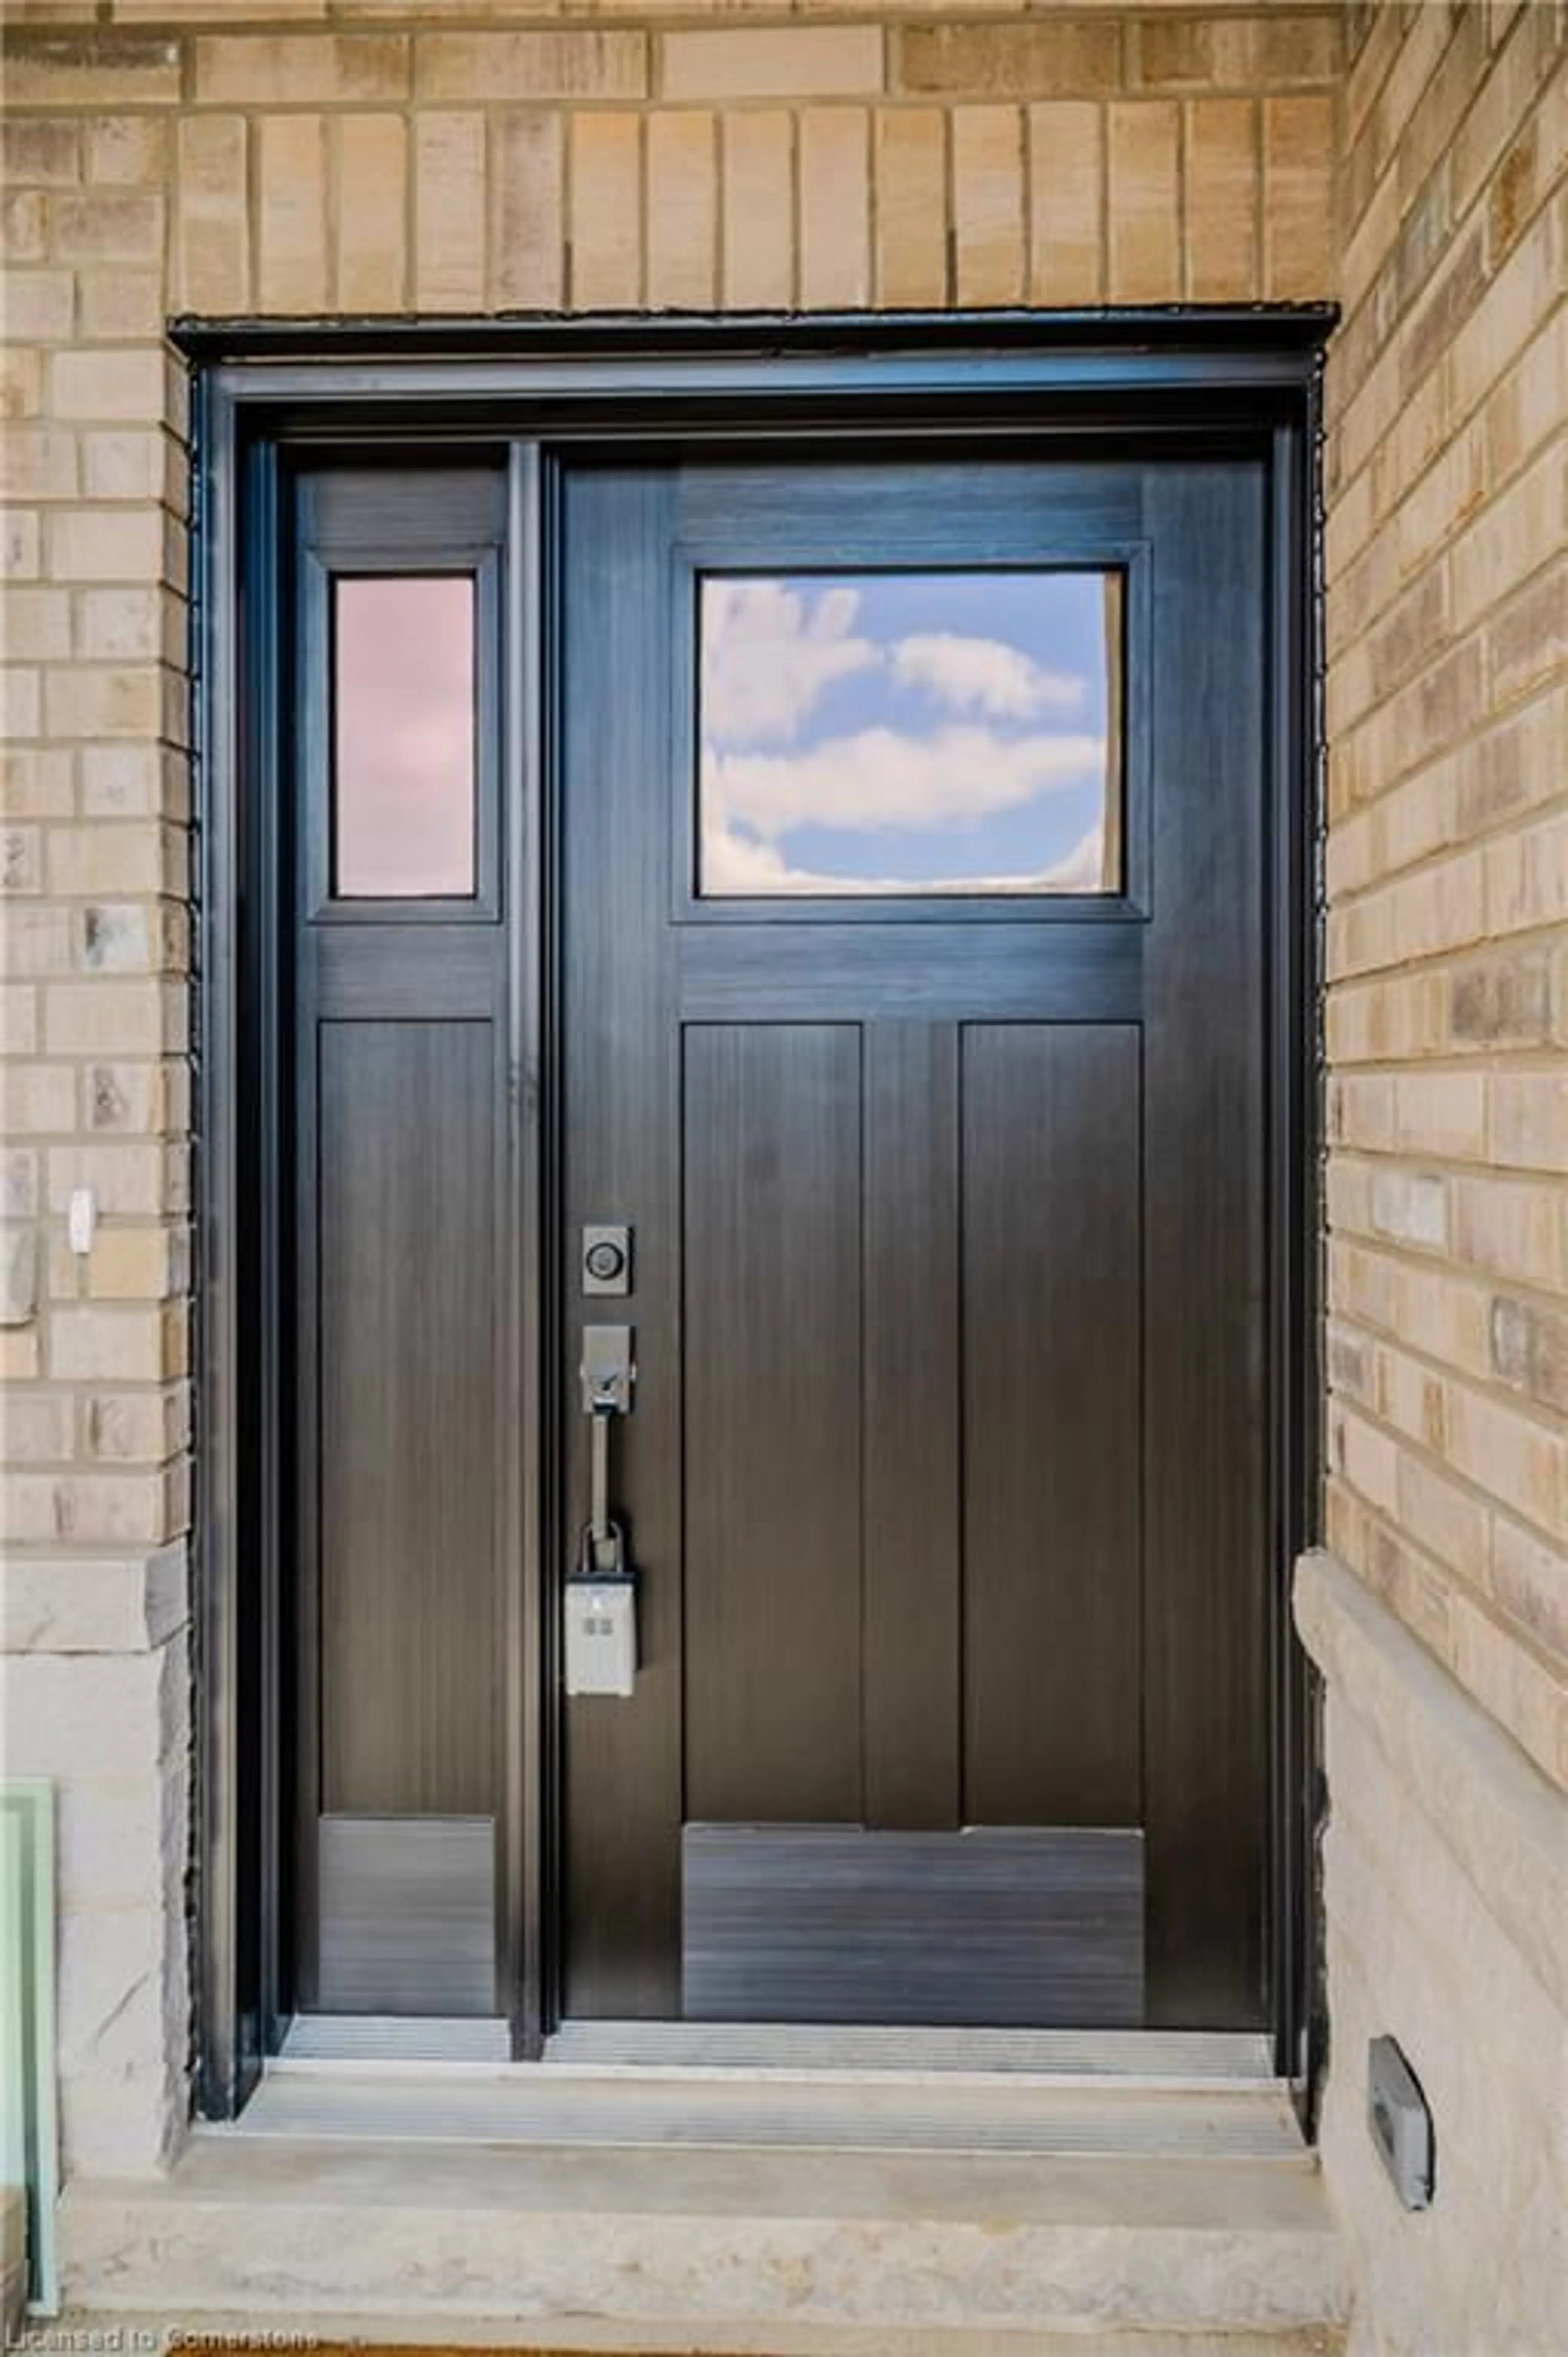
(407, 1915)
(994, 1926)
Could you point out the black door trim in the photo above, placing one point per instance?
(1210, 378)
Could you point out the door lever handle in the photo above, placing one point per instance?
(601, 1590)
(608, 1374)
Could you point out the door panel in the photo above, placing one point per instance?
(1052, 1425)
(944, 1473)
(771, 1356)
(408, 1416)
(911, 1603)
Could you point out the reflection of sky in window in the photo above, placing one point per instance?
(905, 731)
(404, 736)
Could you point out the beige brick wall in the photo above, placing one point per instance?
(1447, 855)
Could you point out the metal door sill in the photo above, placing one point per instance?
(1163, 2054)
(913, 2112)
(1167, 2058)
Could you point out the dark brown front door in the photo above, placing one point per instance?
(912, 861)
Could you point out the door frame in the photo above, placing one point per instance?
(1194, 379)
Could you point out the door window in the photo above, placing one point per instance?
(403, 732)
(909, 734)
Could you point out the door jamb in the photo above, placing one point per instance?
(260, 386)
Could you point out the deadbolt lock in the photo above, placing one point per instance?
(607, 1260)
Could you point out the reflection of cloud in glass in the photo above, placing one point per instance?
(982, 675)
(404, 737)
(768, 654)
(733, 864)
(907, 733)
(884, 778)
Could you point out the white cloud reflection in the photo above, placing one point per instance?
(768, 654)
(884, 777)
(733, 864)
(984, 676)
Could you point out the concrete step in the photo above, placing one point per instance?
(342, 2336)
(719, 2247)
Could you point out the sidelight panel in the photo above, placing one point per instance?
(405, 1885)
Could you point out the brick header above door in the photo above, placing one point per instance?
(374, 159)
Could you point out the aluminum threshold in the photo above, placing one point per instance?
(917, 2112)
(811, 2045)
(1198, 2057)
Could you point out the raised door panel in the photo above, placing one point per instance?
(913, 1459)
(772, 1358)
(408, 1440)
(1052, 1377)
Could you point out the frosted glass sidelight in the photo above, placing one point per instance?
(404, 737)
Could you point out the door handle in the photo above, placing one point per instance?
(601, 1589)
(609, 1373)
